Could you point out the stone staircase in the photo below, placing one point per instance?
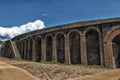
(15, 50)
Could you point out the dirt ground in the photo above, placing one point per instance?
(49, 71)
(107, 75)
(8, 72)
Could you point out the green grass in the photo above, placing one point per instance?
(23, 60)
(43, 62)
(52, 62)
(49, 62)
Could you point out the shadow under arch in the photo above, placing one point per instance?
(60, 44)
(30, 45)
(49, 45)
(75, 52)
(38, 46)
(92, 47)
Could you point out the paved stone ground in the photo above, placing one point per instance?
(45, 71)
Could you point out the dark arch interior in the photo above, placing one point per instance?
(92, 44)
(60, 48)
(38, 49)
(49, 48)
(30, 50)
(22, 51)
(26, 49)
(116, 50)
(20, 46)
(75, 55)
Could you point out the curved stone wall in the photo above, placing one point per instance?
(87, 42)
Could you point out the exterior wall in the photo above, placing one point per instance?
(106, 29)
(7, 51)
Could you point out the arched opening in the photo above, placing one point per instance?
(26, 49)
(38, 49)
(75, 54)
(116, 50)
(48, 48)
(18, 46)
(60, 43)
(22, 50)
(30, 50)
(92, 45)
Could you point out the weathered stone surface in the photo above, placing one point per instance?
(87, 42)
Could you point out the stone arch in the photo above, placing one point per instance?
(112, 47)
(74, 30)
(60, 46)
(92, 28)
(111, 33)
(49, 45)
(92, 36)
(38, 46)
(75, 52)
(59, 33)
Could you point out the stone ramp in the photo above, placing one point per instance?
(15, 50)
(8, 72)
(107, 75)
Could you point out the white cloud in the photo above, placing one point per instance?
(16, 30)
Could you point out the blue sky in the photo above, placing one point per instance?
(55, 12)
(21, 16)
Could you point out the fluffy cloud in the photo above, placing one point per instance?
(7, 33)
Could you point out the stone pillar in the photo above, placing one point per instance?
(83, 50)
(101, 50)
(67, 50)
(54, 52)
(109, 61)
(43, 55)
(33, 51)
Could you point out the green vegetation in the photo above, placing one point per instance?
(2, 43)
(23, 60)
(50, 62)
(84, 65)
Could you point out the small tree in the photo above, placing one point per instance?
(2, 43)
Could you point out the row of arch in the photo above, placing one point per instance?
(64, 46)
